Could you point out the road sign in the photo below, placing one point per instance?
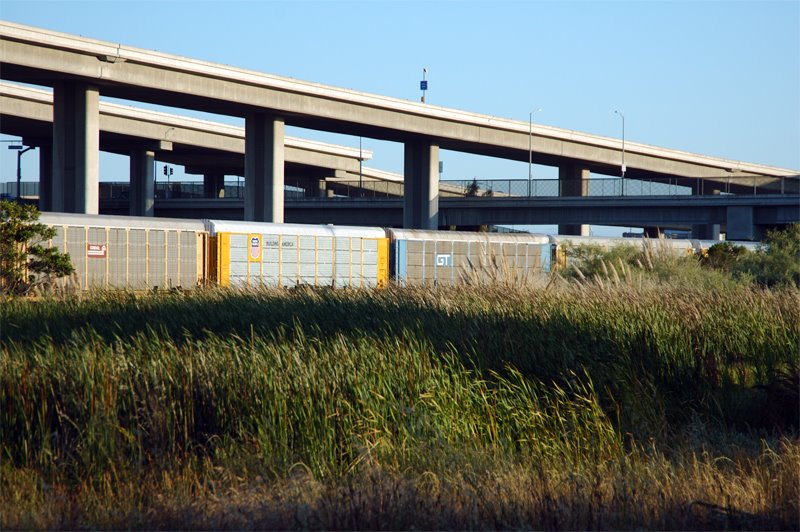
(423, 85)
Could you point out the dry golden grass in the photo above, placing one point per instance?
(643, 490)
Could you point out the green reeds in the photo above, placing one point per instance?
(451, 383)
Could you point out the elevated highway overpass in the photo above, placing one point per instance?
(204, 147)
(80, 69)
(741, 217)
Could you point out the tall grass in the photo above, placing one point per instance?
(422, 391)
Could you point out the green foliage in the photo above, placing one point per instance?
(319, 376)
(593, 260)
(778, 262)
(24, 262)
(724, 256)
(562, 384)
(472, 189)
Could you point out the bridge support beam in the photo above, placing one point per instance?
(143, 183)
(214, 185)
(573, 181)
(76, 148)
(705, 231)
(421, 190)
(263, 168)
(741, 224)
(45, 177)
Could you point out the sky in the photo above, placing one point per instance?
(710, 77)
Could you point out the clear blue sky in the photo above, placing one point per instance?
(717, 78)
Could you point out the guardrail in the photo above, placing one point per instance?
(494, 188)
(596, 187)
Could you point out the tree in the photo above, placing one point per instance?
(24, 261)
(472, 189)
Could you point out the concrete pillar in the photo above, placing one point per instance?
(46, 177)
(651, 232)
(214, 185)
(705, 231)
(143, 184)
(421, 177)
(740, 225)
(76, 148)
(573, 181)
(263, 168)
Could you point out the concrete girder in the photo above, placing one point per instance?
(22, 107)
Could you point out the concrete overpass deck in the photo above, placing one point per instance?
(675, 212)
(41, 56)
(199, 145)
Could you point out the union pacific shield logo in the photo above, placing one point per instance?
(254, 247)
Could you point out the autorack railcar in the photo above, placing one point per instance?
(138, 253)
(251, 254)
(453, 257)
(131, 252)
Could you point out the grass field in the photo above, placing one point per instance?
(567, 407)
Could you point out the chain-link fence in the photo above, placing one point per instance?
(597, 187)
(493, 188)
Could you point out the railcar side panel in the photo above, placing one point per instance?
(451, 258)
(128, 252)
(287, 255)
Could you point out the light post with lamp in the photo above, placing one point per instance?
(423, 85)
(20, 150)
(530, 148)
(622, 183)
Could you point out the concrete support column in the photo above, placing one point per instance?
(421, 176)
(319, 189)
(740, 224)
(263, 168)
(705, 231)
(45, 177)
(651, 232)
(76, 148)
(143, 183)
(573, 181)
(214, 185)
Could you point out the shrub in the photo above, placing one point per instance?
(24, 262)
(777, 263)
(723, 256)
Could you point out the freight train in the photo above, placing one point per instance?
(124, 252)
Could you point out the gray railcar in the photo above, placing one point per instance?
(136, 253)
(456, 257)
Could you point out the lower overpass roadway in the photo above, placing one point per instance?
(742, 217)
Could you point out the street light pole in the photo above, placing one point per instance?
(360, 168)
(622, 184)
(20, 150)
(530, 148)
(423, 85)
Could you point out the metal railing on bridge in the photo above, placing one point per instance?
(493, 188)
(596, 187)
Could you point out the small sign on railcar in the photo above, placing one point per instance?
(254, 247)
(96, 251)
